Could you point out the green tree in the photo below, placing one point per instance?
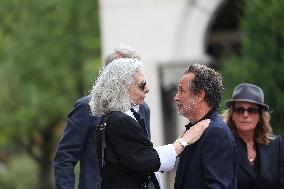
(262, 55)
(21, 174)
(49, 54)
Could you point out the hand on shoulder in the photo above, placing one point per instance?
(196, 131)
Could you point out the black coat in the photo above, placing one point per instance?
(78, 143)
(270, 162)
(129, 154)
(211, 161)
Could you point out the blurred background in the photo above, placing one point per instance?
(51, 52)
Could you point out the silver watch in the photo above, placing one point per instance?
(182, 142)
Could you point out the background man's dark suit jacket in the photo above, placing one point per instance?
(271, 166)
(211, 161)
(78, 144)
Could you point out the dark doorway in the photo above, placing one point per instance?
(224, 35)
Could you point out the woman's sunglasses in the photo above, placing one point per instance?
(250, 110)
(142, 85)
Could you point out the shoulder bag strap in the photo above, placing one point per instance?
(100, 140)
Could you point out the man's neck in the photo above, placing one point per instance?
(199, 113)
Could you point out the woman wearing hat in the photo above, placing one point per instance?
(260, 154)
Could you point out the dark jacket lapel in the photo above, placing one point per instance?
(182, 166)
(143, 117)
(265, 152)
(242, 158)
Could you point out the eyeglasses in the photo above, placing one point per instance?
(142, 85)
(250, 110)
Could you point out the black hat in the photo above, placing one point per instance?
(246, 92)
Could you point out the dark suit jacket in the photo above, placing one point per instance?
(211, 161)
(78, 143)
(270, 160)
(129, 154)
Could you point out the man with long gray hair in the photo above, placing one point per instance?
(78, 143)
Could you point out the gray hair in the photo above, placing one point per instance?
(110, 91)
(122, 51)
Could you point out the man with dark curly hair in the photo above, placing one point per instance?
(210, 162)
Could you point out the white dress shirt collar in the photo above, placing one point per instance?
(128, 112)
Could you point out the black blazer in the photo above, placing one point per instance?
(78, 143)
(270, 160)
(211, 161)
(129, 154)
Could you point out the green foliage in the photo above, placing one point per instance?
(262, 59)
(20, 173)
(49, 54)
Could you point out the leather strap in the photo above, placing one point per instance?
(100, 140)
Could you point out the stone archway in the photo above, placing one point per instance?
(223, 35)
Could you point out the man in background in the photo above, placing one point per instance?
(78, 143)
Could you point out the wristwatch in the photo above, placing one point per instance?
(182, 142)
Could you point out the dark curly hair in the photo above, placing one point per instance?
(208, 80)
